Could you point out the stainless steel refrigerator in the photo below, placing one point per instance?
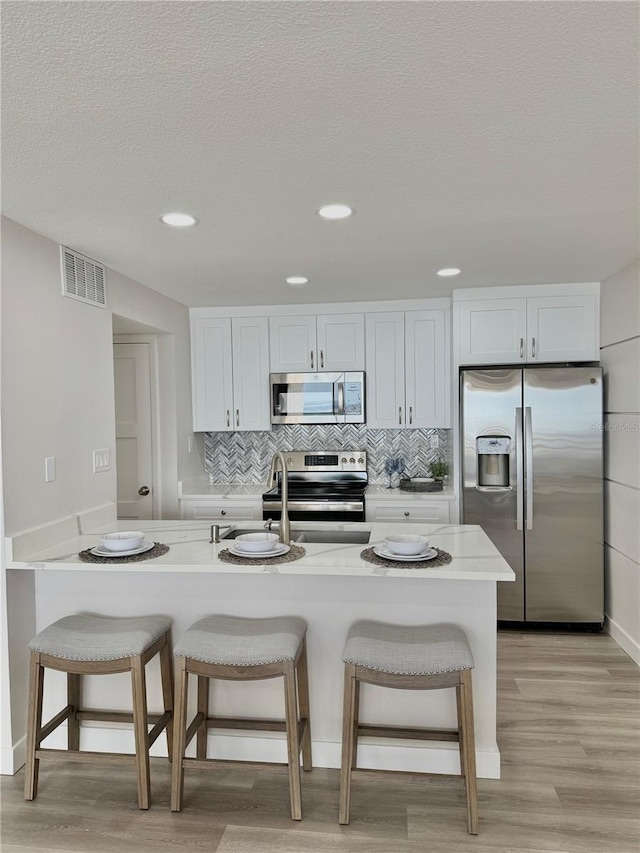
(532, 479)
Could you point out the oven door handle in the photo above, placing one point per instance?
(315, 506)
(341, 398)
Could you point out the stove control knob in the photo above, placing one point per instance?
(352, 460)
(289, 461)
(361, 460)
(344, 459)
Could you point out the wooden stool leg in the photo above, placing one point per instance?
(356, 717)
(166, 675)
(140, 730)
(74, 682)
(460, 711)
(179, 734)
(303, 699)
(34, 724)
(349, 734)
(293, 743)
(469, 748)
(203, 708)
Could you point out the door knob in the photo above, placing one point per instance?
(143, 491)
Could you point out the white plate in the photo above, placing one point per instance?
(429, 554)
(278, 551)
(103, 552)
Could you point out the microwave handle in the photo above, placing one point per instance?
(341, 398)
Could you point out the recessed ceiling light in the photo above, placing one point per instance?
(178, 220)
(449, 271)
(297, 280)
(335, 211)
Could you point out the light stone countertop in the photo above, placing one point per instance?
(199, 488)
(475, 557)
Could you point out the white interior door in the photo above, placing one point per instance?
(134, 460)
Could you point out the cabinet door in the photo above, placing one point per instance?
(251, 373)
(341, 341)
(427, 369)
(212, 385)
(562, 328)
(385, 370)
(293, 344)
(492, 331)
(220, 510)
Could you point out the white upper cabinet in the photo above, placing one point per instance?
(230, 366)
(326, 342)
(562, 328)
(408, 369)
(528, 329)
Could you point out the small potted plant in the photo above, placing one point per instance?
(439, 470)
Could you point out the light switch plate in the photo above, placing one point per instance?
(434, 443)
(190, 444)
(101, 460)
(49, 469)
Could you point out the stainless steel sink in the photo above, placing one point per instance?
(339, 537)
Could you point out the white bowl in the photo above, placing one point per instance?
(407, 544)
(257, 541)
(127, 540)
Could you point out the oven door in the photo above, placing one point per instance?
(315, 510)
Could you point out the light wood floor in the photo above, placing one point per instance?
(569, 733)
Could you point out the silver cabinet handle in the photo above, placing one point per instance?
(528, 461)
(410, 414)
(311, 359)
(321, 358)
(533, 347)
(400, 415)
(519, 471)
(521, 347)
(143, 491)
(407, 514)
(237, 417)
(223, 512)
(228, 418)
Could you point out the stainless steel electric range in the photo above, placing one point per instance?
(323, 486)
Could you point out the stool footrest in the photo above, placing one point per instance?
(259, 724)
(54, 722)
(72, 755)
(407, 732)
(114, 716)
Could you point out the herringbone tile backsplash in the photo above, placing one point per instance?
(244, 457)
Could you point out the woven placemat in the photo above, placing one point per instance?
(443, 559)
(295, 553)
(157, 551)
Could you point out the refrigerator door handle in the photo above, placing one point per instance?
(519, 470)
(528, 457)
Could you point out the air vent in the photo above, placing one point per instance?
(82, 278)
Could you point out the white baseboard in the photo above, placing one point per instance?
(12, 758)
(372, 753)
(626, 643)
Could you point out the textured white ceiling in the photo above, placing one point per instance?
(499, 137)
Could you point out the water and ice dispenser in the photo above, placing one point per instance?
(493, 453)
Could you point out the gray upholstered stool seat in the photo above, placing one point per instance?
(408, 649)
(238, 641)
(90, 644)
(242, 649)
(408, 657)
(85, 636)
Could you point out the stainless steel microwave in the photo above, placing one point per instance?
(317, 398)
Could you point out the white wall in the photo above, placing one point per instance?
(58, 400)
(620, 355)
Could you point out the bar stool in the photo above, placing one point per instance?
(409, 657)
(240, 649)
(86, 644)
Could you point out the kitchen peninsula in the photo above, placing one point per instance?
(330, 587)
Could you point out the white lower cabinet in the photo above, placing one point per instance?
(221, 509)
(427, 512)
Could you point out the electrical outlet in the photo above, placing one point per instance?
(101, 460)
(434, 444)
(49, 469)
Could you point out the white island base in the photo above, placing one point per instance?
(330, 588)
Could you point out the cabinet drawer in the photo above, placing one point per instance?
(433, 512)
(221, 510)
